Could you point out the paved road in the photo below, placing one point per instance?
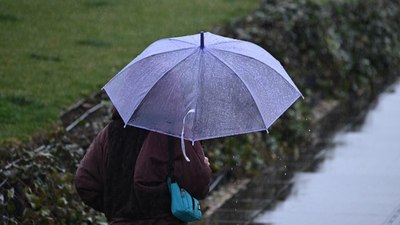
(358, 183)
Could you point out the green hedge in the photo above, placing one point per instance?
(37, 186)
(332, 50)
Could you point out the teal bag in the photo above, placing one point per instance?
(183, 205)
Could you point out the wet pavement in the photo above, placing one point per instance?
(358, 183)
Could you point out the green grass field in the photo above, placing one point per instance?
(53, 53)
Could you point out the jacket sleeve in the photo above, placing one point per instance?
(152, 166)
(90, 175)
(194, 176)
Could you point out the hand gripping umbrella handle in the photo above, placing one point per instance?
(183, 131)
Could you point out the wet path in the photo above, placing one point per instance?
(358, 183)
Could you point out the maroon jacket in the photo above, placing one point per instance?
(150, 172)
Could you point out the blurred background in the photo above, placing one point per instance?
(56, 55)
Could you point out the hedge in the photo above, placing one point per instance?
(340, 50)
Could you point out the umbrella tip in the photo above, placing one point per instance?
(202, 40)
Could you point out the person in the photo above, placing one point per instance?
(123, 174)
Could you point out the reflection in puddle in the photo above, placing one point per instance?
(358, 183)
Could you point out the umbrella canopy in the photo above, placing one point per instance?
(202, 86)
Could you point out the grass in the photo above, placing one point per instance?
(53, 53)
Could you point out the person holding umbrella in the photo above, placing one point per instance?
(194, 87)
(123, 174)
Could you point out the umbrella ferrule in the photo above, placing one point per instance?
(202, 40)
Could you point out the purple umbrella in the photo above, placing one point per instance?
(202, 86)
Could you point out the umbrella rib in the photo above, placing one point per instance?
(175, 39)
(248, 89)
(236, 53)
(224, 42)
(156, 54)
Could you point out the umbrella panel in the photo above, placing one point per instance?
(272, 93)
(128, 88)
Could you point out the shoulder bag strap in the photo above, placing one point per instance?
(171, 160)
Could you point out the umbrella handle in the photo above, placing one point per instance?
(183, 131)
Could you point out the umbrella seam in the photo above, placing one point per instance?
(131, 63)
(172, 67)
(224, 42)
(199, 86)
(292, 85)
(248, 89)
(160, 53)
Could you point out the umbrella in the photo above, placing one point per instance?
(202, 86)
